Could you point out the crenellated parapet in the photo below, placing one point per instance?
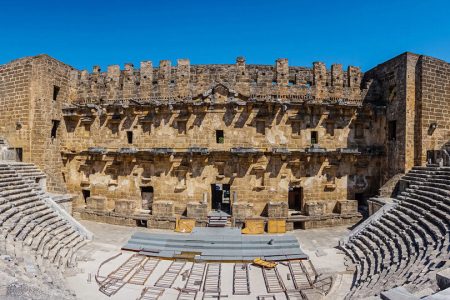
(188, 82)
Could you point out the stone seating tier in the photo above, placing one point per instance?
(410, 242)
(28, 223)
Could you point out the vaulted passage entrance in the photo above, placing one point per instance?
(220, 197)
(86, 195)
(295, 198)
(147, 197)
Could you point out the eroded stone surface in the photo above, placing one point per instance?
(312, 138)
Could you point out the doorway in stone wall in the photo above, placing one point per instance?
(147, 197)
(19, 154)
(363, 207)
(361, 201)
(86, 194)
(295, 198)
(220, 197)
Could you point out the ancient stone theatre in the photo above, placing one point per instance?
(143, 146)
(246, 148)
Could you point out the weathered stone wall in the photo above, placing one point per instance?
(435, 105)
(388, 87)
(256, 180)
(120, 117)
(27, 92)
(185, 81)
(125, 114)
(15, 94)
(325, 131)
(415, 90)
(258, 127)
(327, 173)
(48, 73)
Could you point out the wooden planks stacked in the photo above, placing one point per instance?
(241, 283)
(143, 272)
(168, 278)
(212, 279)
(274, 283)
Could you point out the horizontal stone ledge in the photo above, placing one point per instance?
(291, 100)
(309, 151)
(304, 218)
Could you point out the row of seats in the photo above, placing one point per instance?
(27, 170)
(28, 223)
(409, 243)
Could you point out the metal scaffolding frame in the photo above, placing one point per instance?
(151, 293)
(195, 279)
(241, 282)
(213, 278)
(110, 286)
(141, 275)
(299, 277)
(129, 265)
(168, 278)
(274, 283)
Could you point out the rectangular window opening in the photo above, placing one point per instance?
(296, 127)
(19, 154)
(87, 130)
(330, 128)
(181, 127)
(359, 131)
(330, 178)
(147, 197)
(55, 92)
(360, 198)
(219, 137)
(55, 125)
(392, 130)
(130, 137)
(261, 127)
(221, 169)
(295, 198)
(314, 138)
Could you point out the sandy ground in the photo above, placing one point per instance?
(319, 244)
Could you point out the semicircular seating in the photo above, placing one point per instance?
(408, 244)
(28, 223)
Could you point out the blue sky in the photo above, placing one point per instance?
(85, 33)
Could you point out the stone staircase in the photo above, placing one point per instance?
(29, 225)
(409, 243)
(218, 219)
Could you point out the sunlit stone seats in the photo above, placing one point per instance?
(408, 244)
(28, 220)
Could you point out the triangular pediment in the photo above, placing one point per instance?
(219, 93)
